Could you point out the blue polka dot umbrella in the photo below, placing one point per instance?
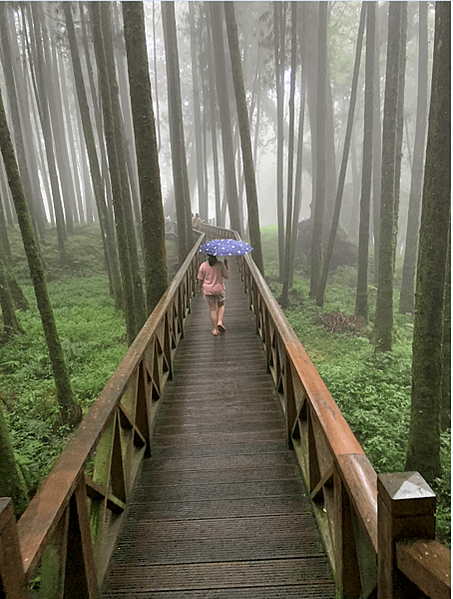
(225, 247)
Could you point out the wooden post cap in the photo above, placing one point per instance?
(406, 494)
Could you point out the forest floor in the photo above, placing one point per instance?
(373, 392)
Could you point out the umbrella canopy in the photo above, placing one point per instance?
(225, 247)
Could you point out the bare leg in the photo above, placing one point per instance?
(214, 318)
(221, 312)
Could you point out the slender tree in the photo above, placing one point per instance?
(15, 111)
(445, 408)
(344, 161)
(147, 153)
(178, 150)
(407, 297)
(423, 453)
(12, 482)
(361, 300)
(399, 124)
(279, 52)
(225, 118)
(120, 144)
(284, 299)
(318, 219)
(383, 325)
(47, 130)
(244, 130)
(11, 325)
(109, 129)
(70, 411)
(202, 195)
(98, 185)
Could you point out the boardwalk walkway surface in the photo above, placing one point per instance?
(219, 509)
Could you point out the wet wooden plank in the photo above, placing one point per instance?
(220, 509)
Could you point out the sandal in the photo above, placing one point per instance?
(215, 332)
(221, 328)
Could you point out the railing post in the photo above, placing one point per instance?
(12, 578)
(406, 509)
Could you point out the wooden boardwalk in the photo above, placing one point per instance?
(219, 510)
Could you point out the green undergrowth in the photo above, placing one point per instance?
(373, 391)
(93, 338)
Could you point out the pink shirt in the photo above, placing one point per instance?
(212, 277)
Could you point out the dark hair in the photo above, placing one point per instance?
(212, 259)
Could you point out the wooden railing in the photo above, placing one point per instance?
(378, 530)
(62, 544)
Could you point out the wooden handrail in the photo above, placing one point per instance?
(99, 465)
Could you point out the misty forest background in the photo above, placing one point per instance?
(320, 131)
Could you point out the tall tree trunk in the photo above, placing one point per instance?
(147, 153)
(284, 299)
(361, 300)
(178, 151)
(279, 50)
(11, 325)
(14, 110)
(98, 184)
(159, 139)
(56, 124)
(383, 325)
(407, 298)
(12, 483)
(300, 148)
(377, 155)
(37, 210)
(70, 411)
(202, 196)
(47, 132)
(118, 125)
(445, 405)
(225, 119)
(213, 126)
(318, 219)
(344, 162)
(399, 124)
(62, 80)
(109, 129)
(423, 453)
(244, 130)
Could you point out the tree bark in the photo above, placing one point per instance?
(178, 150)
(284, 299)
(407, 297)
(109, 130)
(12, 483)
(11, 325)
(318, 219)
(361, 301)
(47, 133)
(202, 196)
(225, 118)
(383, 326)
(244, 130)
(344, 162)
(423, 453)
(118, 126)
(147, 153)
(279, 50)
